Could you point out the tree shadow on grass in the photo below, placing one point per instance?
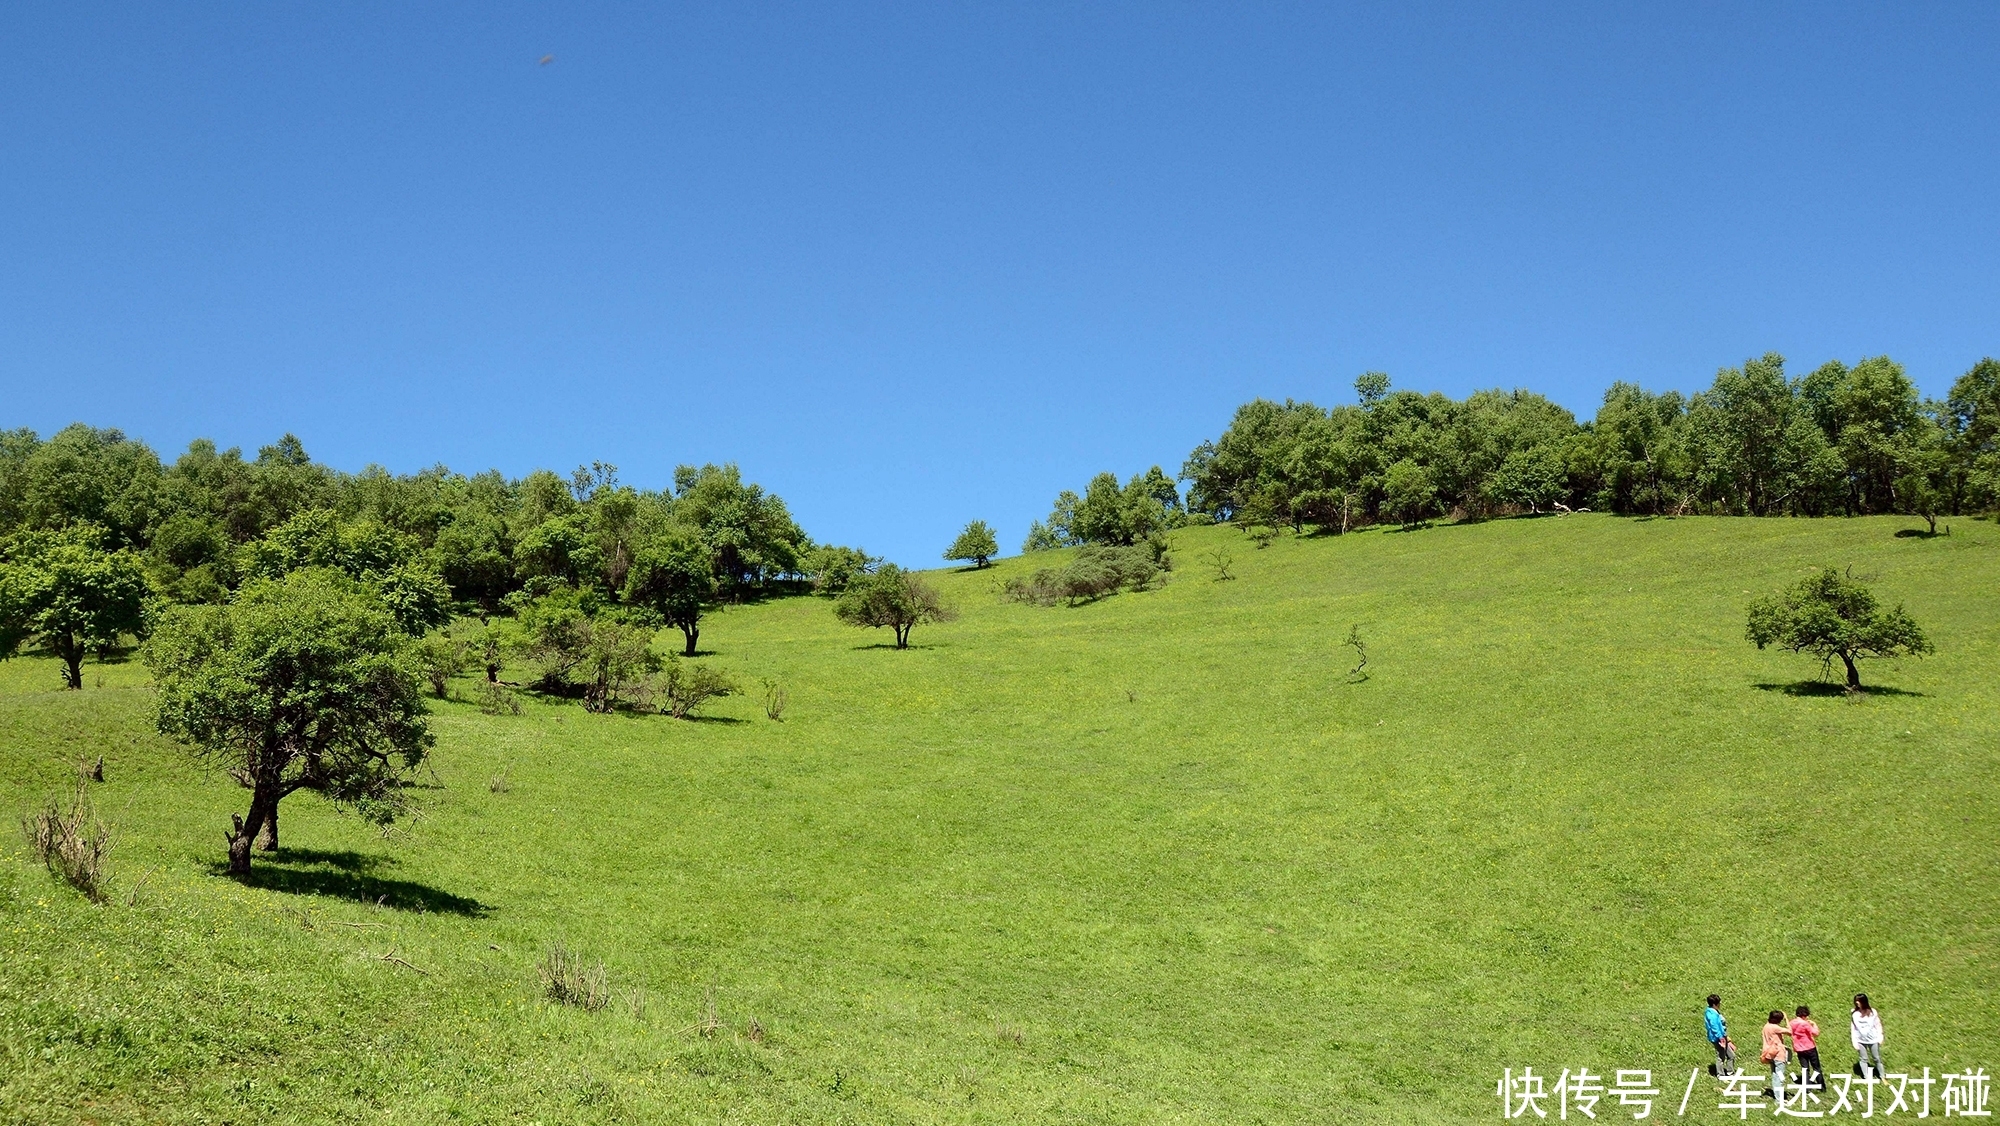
(350, 875)
(891, 646)
(1824, 688)
(1918, 534)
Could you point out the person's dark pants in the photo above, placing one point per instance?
(1725, 1057)
(1809, 1072)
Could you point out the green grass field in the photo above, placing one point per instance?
(1148, 860)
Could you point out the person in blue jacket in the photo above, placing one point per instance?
(1717, 1030)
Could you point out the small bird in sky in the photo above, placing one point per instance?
(547, 59)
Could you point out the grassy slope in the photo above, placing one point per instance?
(1158, 836)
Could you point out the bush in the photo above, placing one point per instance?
(566, 980)
(72, 842)
(686, 686)
(1094, 573)
(440, 657)
(497, 699)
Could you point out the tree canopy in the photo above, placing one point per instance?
(300, 682)
(71, 592)
(892, 597)
(976, 544)
(1832, 615)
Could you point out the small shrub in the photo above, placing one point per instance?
(72, 842)
(567, 980)
(497, 699)
(686, 686)
(1220, 561)
(500, 784)
(775, 699)
(440, 657)
(1008, 1034)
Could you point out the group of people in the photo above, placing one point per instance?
(1797, 1037)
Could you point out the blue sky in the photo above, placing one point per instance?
(914, 265)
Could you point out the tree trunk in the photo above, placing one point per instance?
(267, 838)
(902, 636)
(1932, 519)
(1853, 674)
(70, 649)
(693, 634)
(263, 803)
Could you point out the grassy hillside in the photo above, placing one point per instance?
(1147, 860)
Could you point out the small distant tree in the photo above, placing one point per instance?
(1832, 615)
(300, 683)
(66, 589)
(441, 656)
(672, 577)
(895, 598)
(976, 544)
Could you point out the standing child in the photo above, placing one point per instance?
(1805, 1041)
(1718, 1038)
(1773, 1054)
(1867, 1031)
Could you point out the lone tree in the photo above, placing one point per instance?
(976, 543)
(672, 577)
(67, 590)
(1831, 615)
(301, 683)
(892, 597)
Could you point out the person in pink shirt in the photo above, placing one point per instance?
(1805, 1044)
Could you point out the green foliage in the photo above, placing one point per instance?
(832, 568)
(749, 533)
(892, 597)
(1756, 442)
(300, 682)
(70, 592)
(685, 686)
(554, 634)
(1832, 615)
(1408, 492)
(1092, 573)
(1144, 507)
(672, 578)
(439, 657)
(975, 544)
(618, 658)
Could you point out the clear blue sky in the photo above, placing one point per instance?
(914, 265)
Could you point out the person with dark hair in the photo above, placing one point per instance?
(1805, 1041)
(1773, 1055)
(1717, 1030)
(1866, 1028)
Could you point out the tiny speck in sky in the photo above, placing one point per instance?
(547, 59)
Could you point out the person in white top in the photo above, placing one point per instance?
(1866, 1028)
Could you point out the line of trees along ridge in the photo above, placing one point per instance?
(1839, 440)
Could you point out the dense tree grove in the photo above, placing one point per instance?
(1838, 441)
(94, 528)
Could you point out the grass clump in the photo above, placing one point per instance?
(568, 980)
(71, 842)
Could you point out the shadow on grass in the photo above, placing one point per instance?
(890, 646)
(350, 875)
(713, 719)
(1829, 688)
(1919, 534)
